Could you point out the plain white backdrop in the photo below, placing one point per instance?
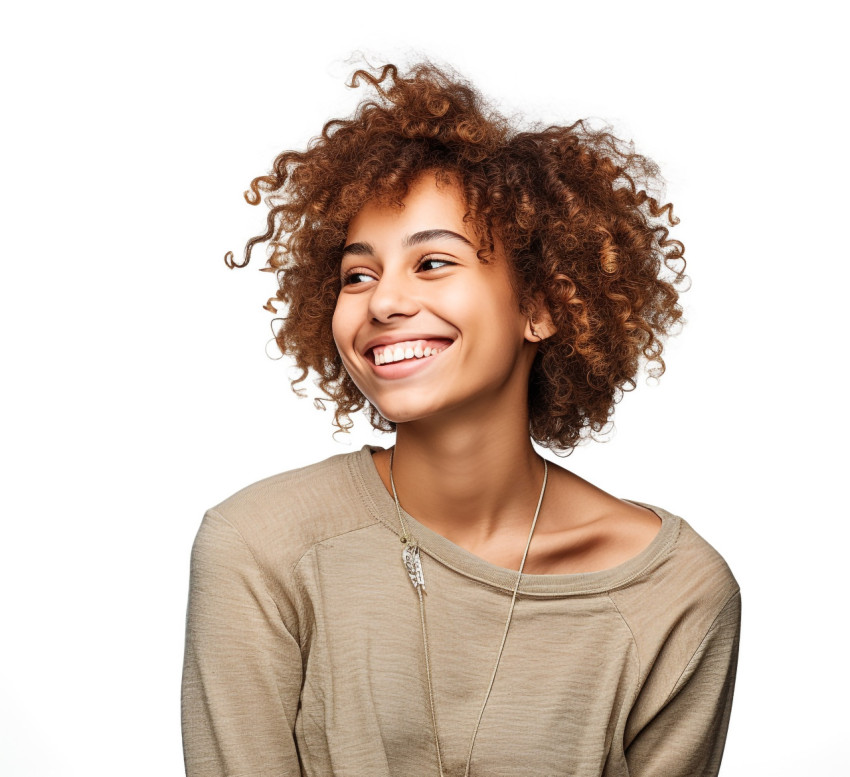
(136, 389)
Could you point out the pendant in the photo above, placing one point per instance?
(413, 565)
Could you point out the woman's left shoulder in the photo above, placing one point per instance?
(693, 552)
(687, 572)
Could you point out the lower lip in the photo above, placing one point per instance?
(404, 368)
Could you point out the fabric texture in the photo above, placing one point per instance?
(304, 650)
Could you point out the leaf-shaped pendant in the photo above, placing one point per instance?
(413, 564)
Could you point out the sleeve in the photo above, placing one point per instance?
(242, 667)
(687, 735)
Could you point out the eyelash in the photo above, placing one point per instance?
(349, 275)
(424, 260)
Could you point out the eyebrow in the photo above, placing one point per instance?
(417, 238)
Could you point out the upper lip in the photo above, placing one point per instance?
(401, 337)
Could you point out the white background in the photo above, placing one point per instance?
(136, 390)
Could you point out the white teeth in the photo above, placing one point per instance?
(399, 352)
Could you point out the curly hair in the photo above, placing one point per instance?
(571, 206)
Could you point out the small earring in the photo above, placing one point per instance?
(533, 330)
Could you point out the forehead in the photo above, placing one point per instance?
(428, 204)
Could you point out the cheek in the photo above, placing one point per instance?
(492, 310)
(345, 309)
(341, 328)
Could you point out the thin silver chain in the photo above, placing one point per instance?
(410, 543)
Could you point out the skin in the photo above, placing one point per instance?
(464, 465)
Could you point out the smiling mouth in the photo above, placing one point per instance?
(408, 350)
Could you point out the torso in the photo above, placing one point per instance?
(299, 579)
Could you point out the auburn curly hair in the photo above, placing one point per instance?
(571, 206)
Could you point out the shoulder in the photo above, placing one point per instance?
(688, 565)
(707, 568)
(281, 517)
(675, 601)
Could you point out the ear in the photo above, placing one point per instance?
(539, 325)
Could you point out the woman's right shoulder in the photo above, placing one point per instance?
(283, 516)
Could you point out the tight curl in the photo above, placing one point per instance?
(571, 206)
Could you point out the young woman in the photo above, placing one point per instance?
(455, 604)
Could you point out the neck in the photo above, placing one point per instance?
(468, 478)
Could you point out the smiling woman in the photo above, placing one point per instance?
(474, 287)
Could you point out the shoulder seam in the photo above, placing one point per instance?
(263, 577)
(675, 688)
(314, 545)
(297, 474)
(640, 677)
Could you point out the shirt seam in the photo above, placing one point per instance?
(684, 671)
(263, 576)
(640, 677)
(328, 539)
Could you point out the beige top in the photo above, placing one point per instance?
(304, 648)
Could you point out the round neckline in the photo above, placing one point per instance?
(466, 563)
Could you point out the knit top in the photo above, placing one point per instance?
(304, 648)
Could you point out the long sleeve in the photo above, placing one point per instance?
(687, 735)
(242, 667)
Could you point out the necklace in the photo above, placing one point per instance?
(412, 560)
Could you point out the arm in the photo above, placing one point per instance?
(242, 667)
(687, 735)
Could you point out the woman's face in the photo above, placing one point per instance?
(423, 327)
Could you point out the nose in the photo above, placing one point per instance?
(392, 296)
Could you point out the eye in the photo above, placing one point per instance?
(433, 263)
(355, 276)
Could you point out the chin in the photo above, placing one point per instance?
(403, 415)
(405, 412)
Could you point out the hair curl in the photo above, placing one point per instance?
(571, 206)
